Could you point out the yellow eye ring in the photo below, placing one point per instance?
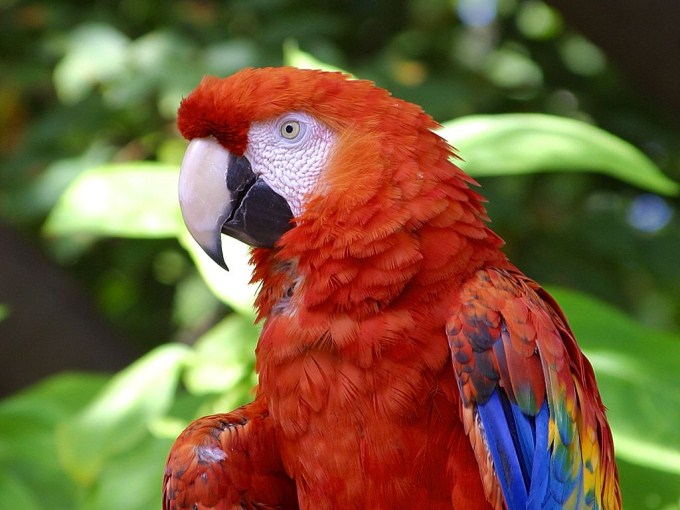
(290, 129)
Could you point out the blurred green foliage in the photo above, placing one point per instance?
(89, 168)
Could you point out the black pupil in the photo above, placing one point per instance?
(289, 128)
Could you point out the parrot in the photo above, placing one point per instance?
(403, 360)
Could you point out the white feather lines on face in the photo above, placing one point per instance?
(290, 152)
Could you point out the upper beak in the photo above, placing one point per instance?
(218, 192)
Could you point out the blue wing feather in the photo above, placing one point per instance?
(526, 432)
(505, 450)
(541, 461)
(530, 477)
(528, 396)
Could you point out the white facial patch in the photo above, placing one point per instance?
(290, 152)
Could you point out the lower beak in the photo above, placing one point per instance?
(218, 192)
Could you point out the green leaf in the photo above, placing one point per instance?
(232, 287)
(223, 358)
(132, 480)
(28, 419)
(28, 452)
(16, 494)
(96, 53)
(4, 311)
(646, 488)
(294, 56)
(118, 418)
(507, 144)
(137, 199)
(637, 372)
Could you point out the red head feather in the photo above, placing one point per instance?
(225, 107)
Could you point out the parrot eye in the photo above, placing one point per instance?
(290, 129)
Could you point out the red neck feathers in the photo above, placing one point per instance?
(392, 219)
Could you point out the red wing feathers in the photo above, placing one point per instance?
(227, 461)
(529, 401)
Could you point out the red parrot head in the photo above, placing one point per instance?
(272, 147)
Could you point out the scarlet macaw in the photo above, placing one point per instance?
(404, 362)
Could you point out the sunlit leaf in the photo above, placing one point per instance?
(137, 199)
(527, 143)
(195, 304)
(35, 201)
(96, 52)
(131, 480)
(118, 417)
(294, 56)
(637, 372)
(508, 68)
(233, 287)
(47, 402)
(222, 358)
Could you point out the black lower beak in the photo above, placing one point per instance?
(220, 193)
(259, 215)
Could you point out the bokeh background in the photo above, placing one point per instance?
(98, 278)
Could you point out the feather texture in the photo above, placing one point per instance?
(227, 461)
(403, 361)
(532, 396)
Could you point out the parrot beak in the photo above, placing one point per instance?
(219, 193)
